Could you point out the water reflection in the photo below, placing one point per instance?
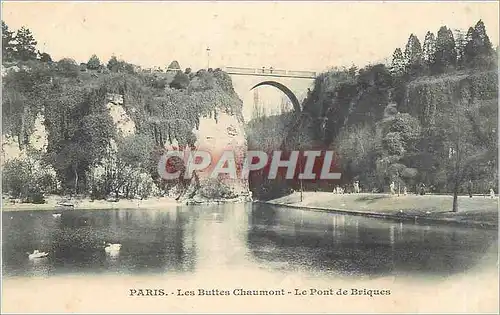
(352, 245)
(203, 239)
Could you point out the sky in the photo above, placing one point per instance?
(312, 36)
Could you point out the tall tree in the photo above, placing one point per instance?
(429, 48)
(485, 44)
(471, 48)
(460, 42)
(413, 55)
(445, 55)
(478, 51)
(398, 62)
(7, 42)
(25, 45)
(413, 50)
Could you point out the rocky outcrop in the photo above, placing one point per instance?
(226, 134)
(214, 135)
(37, 141)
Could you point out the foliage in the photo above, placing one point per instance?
(180, 82)
(44, 57)
(94, 63)
(68, 68)
(215, 188)
(82, 137)
(7, 42)
(28, 178)
(115, 65)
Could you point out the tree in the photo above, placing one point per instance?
(398, 62)
(446, 54)
(429, 48)
(478, 51)
(485, 47)
(44, 57)
(28, 177)
(67, 67)
(25, 44)
(7, 42)
(180, 81)
(468, 138)
(460, 42)
(413, 51)
(113, 64)
(94, 63)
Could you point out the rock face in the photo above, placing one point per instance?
(214, 135)
(37, 140)
(226, 134)
(124, 124)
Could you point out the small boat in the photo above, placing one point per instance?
(37, 254)
(63, 205)
(56, 215)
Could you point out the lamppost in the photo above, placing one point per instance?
(208, 58)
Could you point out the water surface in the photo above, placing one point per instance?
(201, 239)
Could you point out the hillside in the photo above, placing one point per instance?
(69, 130)
(429, 119)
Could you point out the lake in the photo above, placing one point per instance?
(204, 239)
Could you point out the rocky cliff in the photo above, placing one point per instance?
(104, 133)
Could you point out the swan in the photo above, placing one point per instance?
(37, 254)
(112, 248)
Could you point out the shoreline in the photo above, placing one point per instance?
(419, 209)
(479, 212)
(53, 204)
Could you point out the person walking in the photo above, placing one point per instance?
(422, 189)
(393, 188)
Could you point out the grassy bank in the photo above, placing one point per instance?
(476, 211)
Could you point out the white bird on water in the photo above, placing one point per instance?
(112, 248)
(37, 254)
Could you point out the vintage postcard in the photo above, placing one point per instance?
(250, 157)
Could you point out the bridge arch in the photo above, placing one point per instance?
(291, 96)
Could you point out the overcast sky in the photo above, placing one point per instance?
(285, 35)
(292, 35)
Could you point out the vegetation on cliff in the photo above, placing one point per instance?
(86, 151)
(428, 118)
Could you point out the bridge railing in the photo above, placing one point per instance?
(241, 70)
(270, 72)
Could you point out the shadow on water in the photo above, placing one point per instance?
(353, 245)
(152, 241)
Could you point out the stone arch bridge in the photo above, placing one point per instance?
(276, 78)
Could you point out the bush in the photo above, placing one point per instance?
(214, 188)
(27, 180)
(180, 82)
(68, 68)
